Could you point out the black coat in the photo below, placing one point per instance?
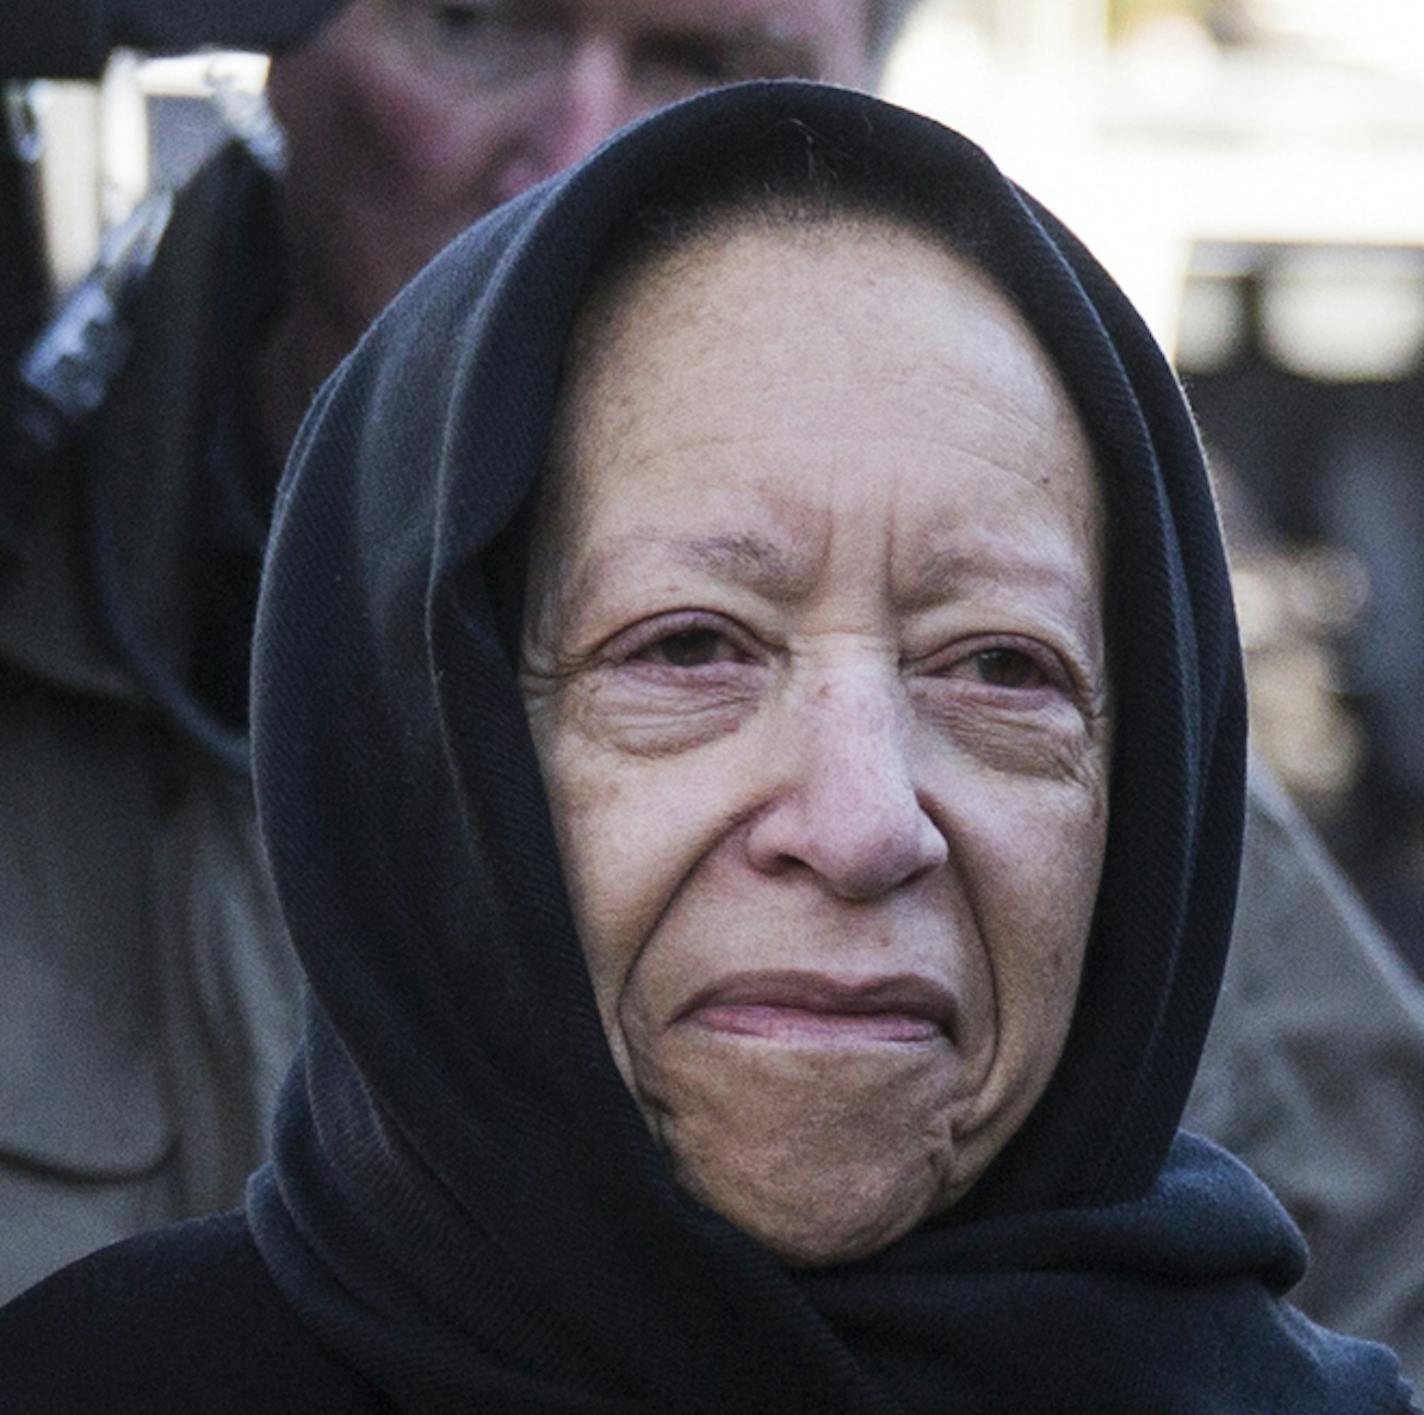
(465, 1207)
(216, 1335)
(72, 38)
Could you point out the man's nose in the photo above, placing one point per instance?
(598, 98)
(849, 810)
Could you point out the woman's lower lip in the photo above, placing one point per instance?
(791, 1024)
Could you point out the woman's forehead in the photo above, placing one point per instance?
(757, 315)
(792, 370)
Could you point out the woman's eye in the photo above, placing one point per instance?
(1000, 666)
(689, 648)
(1007, 668)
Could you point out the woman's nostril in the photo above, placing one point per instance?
(862, 836)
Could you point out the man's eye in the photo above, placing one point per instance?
(498, 41)
(486, 24)
(689, 648)
(1006, 668)
(460, 17)
(706, 63)
(676, 66)
(454, 20)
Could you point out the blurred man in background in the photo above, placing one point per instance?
(410, 119)
(154, 1003)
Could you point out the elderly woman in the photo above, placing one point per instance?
(749, 741)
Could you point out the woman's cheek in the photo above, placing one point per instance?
(636, 712)
(1050, 739)
(625, 828)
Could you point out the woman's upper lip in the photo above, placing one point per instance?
(907, 994)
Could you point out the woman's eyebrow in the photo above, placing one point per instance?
(946, 571)
(754, 560)
(767, 567)
(1001, 565)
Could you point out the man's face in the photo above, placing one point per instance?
(408, 119)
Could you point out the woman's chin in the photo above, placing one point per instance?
(820, 1163)
(813, 1215)
(822, 1149)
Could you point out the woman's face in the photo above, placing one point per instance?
(816, 672)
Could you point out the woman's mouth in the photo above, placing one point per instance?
(817, 1008)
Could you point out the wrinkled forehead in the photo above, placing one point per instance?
(726, 344)
(749, 290)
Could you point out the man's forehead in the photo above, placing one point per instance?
(802, 18)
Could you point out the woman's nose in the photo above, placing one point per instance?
(849, 809)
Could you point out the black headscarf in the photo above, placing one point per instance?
(465, 1201)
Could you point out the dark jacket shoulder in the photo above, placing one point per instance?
(182, 1319)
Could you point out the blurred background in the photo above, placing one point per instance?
(1252, 171)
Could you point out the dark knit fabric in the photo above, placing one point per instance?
(185, 1319)
(465, 1203)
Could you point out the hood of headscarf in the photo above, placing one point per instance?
(465, 1200)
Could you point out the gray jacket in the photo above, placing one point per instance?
(1314, 1074)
